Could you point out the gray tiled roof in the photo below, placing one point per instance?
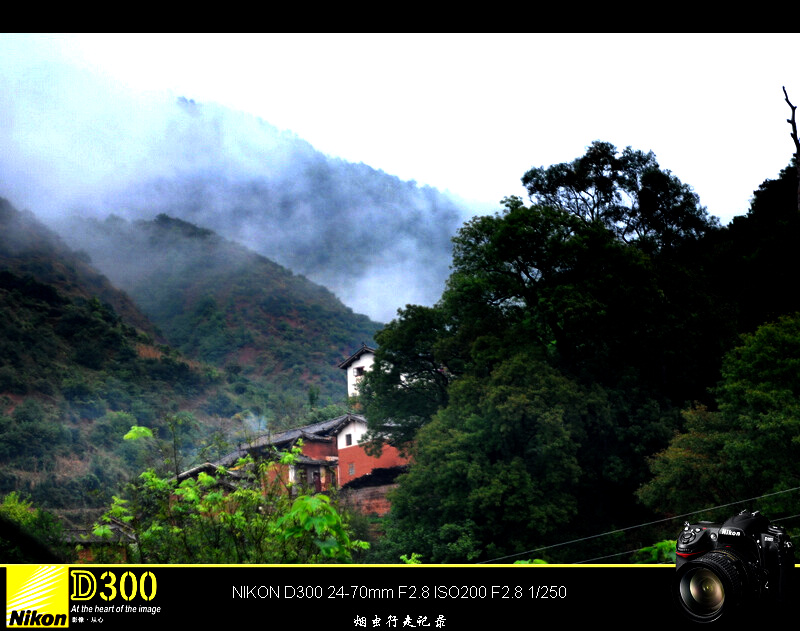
(364, 349)
(323, 429)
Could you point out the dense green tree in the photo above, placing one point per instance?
(569, 336)
(751, 445)
(755, 257)
(495, 470)
(409, 380)
(626, 192)
(729, 447)
(603, 310)
(570, 287)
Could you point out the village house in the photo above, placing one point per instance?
(333, 453)
(356, 366)
(332, 457)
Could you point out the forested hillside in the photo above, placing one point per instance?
(74, 374)
(223, 304)
(27, 247)
(579, 337)
(80, 364)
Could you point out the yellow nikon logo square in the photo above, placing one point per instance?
(37, 596)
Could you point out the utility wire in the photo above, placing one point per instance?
(651, 523)
(619, 554)
(608, 556)
(786, 518)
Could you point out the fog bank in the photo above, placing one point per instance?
(73, 143)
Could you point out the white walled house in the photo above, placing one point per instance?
(351, 434)
(356, 365)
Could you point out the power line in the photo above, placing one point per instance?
(786, 518)
(608, 556)
(619, 554)
(651, 523)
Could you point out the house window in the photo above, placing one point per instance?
(351, 468)
(348, 439)
(358, 371)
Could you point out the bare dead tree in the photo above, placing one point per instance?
(793, 123)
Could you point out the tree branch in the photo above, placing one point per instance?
(793, 123)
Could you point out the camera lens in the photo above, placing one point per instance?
(702, 591)
(712, 585)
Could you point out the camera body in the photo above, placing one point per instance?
(723, 567)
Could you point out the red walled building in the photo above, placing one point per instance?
(354, 461)
(333, 452)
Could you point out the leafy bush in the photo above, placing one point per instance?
(661, 552)
(28, 534)
(249, 517)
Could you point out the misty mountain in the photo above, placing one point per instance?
(71, 143)
(80, 363)
(218, 302)
(354, 229)
(376, 241)
(29, 249)
(76, 374)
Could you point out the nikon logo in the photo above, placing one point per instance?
(37, 596)
(728, 531)
(30, 618)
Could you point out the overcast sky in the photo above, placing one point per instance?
(471, 113)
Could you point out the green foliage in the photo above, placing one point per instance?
(627, 193)
(137, 431)
(495, 470)
(409, 380)
(601, 309)
(751, 446)
(756, 259)
(249, 516)
(107, 430)
(176, 432)
(31, 432)
(317, 415)
(688, 474)
(537, 387)
(661, 552)
(312, 518)
(221, 405)
(28, 534)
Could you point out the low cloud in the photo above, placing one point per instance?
(72, 143)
